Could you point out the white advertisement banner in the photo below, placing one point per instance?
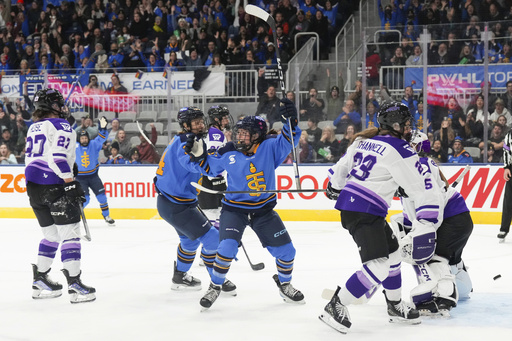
(153, 83)
(131, 188)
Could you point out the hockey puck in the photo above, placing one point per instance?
(496, 277)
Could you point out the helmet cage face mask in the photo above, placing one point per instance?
(255, 126)
(216, 115)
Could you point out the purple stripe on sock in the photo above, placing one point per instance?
(48, 243)
(392, 282)
(69, 246)
(355, 287)
(363, 279)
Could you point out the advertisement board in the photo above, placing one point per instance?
(131, 193)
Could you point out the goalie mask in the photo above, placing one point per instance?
(192, 120)
(397, 118)
(219, 117)
(249, 131)
(50, 101)
(420, 142)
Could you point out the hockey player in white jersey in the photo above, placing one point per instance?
(363, 182)
(55, 196)
(443, 280)
(220, 124)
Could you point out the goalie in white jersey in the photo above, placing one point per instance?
(363, 182)
(55, 196)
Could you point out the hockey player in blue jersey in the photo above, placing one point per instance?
(177, 204)
(87, 152)
(220, 122)
(363, 182)
(55, 197)
(443, 280)
(250, 161)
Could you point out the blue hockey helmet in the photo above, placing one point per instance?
(257, 129)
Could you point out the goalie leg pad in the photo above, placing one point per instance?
(462, 280)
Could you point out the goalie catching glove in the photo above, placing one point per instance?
(195, 148)
(103, 122)
(287, 110)
(419, 245)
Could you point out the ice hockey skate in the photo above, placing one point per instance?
(182, 281)
(336, 314)
(110, 221)
(288, 292)
(401, 312)
(210, 297)
(43, 286)
(229, 287)
(79, 292)
(501, 236)
(431, 309)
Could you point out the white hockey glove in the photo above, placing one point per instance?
(418, 246)
(195, 148)
(103, 122)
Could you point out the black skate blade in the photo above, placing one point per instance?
(328, 320)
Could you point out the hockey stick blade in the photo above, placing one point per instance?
(212, 191)
(257, 12)
(327, 294)
(461, 176)
(143, 134)
(255, 267)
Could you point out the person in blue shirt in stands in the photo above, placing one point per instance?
(87, 152)
(459, 155)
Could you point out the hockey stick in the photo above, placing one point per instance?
(143, 134)
(260, 13)
(212, 191)
(255, 267)
(87, 235)
(461, 176)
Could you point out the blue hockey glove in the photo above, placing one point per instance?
(331, 192)
(287, 110)
(74, 190)
(195, 148)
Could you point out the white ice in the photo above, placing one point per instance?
(130, 265)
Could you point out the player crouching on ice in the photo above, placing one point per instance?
(55, 196)
(443, 280)
(363, 182)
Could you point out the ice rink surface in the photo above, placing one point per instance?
(130, 265)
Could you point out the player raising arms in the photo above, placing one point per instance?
(55, 196)
(443, 280)
(87, 152)
(220, 122)
(177, 204)
(363, 182)
(250, 161)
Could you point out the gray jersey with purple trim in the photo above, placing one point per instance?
(50, 151)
